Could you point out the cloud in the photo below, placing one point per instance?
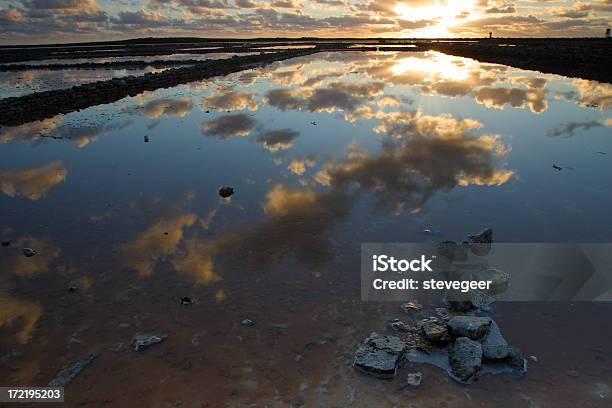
(427, 154)
(275, 140)
(501, 10)
(21, 311)
(168, 107)
(46, 252)
(223, 127)
(155, 244)
(594, 94)
(568, 129)
(231, 100)
(32, 183)
(518, 98)
(63, 6)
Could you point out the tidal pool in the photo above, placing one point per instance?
(325, 152)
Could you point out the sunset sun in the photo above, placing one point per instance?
(434, 20)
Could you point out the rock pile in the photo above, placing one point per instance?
(459, 337)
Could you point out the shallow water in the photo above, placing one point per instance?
(325, 152)
(150, 58)
(26, 82)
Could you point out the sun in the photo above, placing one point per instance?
(444, 15)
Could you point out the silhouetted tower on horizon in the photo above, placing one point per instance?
(607, 33)
(490, 35)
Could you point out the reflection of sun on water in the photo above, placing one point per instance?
(436, 64)
(443, 12)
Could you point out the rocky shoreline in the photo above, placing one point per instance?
(586, 59)
(42, 105)
(458, 337)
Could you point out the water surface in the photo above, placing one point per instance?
(324, 152)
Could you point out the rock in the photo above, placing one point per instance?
(28, 252)
(515, 359)
(411, 306)
(413, 380)
(143, 341)
(69, 372)
(398, 326)
(466, 360)
(442, 313)
(465, 301)
(500, 280)
(226, 192)
(473, 327)
(6, 243)
(494, 346)
(71, 289)
(186, 301)
(248, 323)
(379, 354)
(483, 237)
(435, 332)
(481, 242)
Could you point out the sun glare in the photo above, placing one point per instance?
(444, 13)
(435, 64)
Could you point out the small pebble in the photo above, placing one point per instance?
(186, 300)
(28, 252)
(248, 323)
(226, 192)
(413, 380)
(534, 359)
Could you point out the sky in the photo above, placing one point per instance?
(49, 21)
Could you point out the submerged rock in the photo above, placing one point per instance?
(248, 323)
(186, 301)
(481, 243)
(226, 192)
(472, 327)
(466, 360)
(28, 252)
(494, 346)
(483, 237)
(413, 380)
(379, 354)
(69, 372)
(143, 341)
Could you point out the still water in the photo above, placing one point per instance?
(325, 152)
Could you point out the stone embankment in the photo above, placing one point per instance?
(586, 59)
(42, 105)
